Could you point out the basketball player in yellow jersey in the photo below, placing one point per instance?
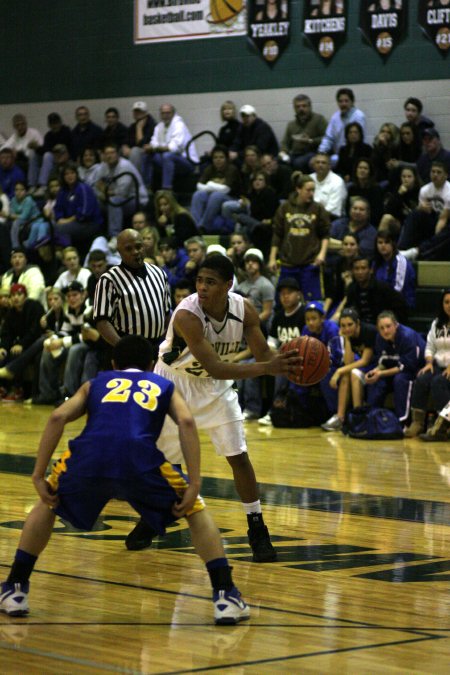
(204, 334)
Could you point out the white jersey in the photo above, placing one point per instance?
(225, 336)
(213, 403)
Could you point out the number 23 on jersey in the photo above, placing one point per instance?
(146, 397)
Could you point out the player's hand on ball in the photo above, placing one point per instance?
(312, 362)
(285, 363)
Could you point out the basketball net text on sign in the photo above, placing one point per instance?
(169, 20)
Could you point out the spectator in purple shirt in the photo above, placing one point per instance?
(10, 173)
(77, 210)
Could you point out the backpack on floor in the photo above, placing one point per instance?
(372, 424)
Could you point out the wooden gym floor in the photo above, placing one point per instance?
(362, 582)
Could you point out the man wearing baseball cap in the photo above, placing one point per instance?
(287, 324)
(261, 293)
(253, 131)
(317, 325)
(139, 134)
(432, 151)
(257, 287)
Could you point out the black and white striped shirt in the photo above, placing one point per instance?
(135, 302)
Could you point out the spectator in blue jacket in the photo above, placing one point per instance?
(175, 260)
(399, 351)
(77, 210)
(28, 227)
(317, 325)
(322, 329)
(392, 267)
(10, 173)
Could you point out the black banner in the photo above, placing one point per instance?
(325, 25)
(434, 19)
(383, 23)
(268, 27)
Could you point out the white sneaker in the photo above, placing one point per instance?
(333, 424)
(410, 253)
(249, 415)
(229, 607)
(266, 421)
(14, 599)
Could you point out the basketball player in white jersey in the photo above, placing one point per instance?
(204, 334)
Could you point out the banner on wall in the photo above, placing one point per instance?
(325, 25)
(434, 19)
(268, 27)
(170, 20)
(383, 23)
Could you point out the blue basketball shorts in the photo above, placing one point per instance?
(152, 494)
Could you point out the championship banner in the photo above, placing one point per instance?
(268, 27)
(434, 19)
(383, 23)
(325, 25)
(170, 20)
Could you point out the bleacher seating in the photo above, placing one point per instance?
(432, 278)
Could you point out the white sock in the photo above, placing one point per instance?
(253, 507)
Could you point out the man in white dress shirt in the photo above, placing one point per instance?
(330, 188)
(167, 148)
(25, 141)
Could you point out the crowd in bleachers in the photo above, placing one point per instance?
(323, 229)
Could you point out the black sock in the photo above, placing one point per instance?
(22, 567)
(255, 521)
(221, 578)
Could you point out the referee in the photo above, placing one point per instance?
(132, 298)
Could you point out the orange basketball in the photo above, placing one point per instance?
(314, 360)
(224, 10)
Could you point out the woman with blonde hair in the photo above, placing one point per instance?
(227, 132)
(386, 147)
(172, 219)
(150, 239)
